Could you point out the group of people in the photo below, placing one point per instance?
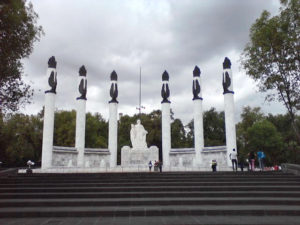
(260, 155)
(157, 164)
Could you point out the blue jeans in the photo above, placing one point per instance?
(234, 162)
(261, 163)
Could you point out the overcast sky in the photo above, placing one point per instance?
(124, 35)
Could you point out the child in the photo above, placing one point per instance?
(214, 165)
(150, 165)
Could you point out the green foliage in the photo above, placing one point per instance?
(151, 123)
(190, 134)
(272, 56)
(263, 135)
(253, 131)
(21, 135)
(214, 128)
(249, 117)
(23, 139)
(291, 149)
(64, 128)
(96, 131)
(178, 135)
(18, 32)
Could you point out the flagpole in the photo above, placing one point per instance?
(140, 96)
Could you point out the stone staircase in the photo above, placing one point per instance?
(151, 198)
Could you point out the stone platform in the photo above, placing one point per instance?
(139, 157)
(150, 198)
(121, 169)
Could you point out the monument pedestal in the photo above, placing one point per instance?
(131, 157)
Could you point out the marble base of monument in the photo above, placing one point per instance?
(184, 159)
(66, 157)
(133, 160)
(131, 157)
(218, 153)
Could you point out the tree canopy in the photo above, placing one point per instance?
(272, 57)
(18, 32)
(21, 135)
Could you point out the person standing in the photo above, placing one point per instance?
(261, 158)
(241, 161)
(233, 157)
(251, 157)
(160, 166)
(150, 165)
(214, 165)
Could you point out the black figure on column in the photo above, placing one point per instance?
(196, 84)
(226, 77)
(165, 91)
(83, 83)
(52, 80)
(113, 87)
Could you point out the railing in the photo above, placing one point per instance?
(214, 149)
(121, 169)
(291, 168)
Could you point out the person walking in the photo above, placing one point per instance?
(150, 165)
(261, 157)
(160, 166)
(233, 157)
(214, 165)
(251, 157)
(241, 161)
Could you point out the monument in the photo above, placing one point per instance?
(138, 136)
(113, 120)
(139, 155)
(229, 109)
(136, 157)
(48, 129)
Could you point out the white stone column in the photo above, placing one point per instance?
(80, 117)
(166, 133)
(198, 115)
(113, 133)
(165, 120)
(80, 131)
(113, 120)
(229, 109)
(48, 130)
(198, 130)
(229, 125)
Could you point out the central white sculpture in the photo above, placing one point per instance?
(139, 155)
(138, 136)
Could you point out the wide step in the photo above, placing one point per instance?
(268, 196)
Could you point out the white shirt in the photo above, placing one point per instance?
(233, 155)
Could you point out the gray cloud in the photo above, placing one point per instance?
(155, 35)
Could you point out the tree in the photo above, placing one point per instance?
(264, 135)
(23, 136)
(283, 126)
(249, 117)
(272, 56)
(151, 123)
(64, 128)
(18, 32)
(96, 131)
(178, 134)
(214, 128)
